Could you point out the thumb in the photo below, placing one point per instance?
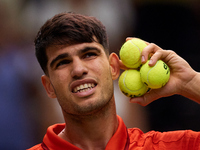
(122, 66)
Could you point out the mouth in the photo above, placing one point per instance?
(83, 87)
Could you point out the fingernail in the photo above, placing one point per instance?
(143, 59)
(150, 62)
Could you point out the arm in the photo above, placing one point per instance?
(192, 89)
(183, 79)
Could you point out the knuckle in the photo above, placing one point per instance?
(172, 52)
(152, 44)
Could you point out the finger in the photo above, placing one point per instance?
(130, 38)
(122, 66)
(139, 100)
(164, 55)
(149, 51)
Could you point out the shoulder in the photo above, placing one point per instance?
(185, 138)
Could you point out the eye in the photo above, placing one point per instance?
(62, 62)
(90, 54)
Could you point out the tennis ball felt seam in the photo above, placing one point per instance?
(138, 50)
(130, 83)
(130, 53)
(149, 73)
(127, 87)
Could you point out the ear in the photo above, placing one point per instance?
(48, 86)
(114, 64)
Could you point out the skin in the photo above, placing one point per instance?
(90, 115)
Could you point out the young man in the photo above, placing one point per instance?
(72, 50)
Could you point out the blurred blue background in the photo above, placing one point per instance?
(25, 109)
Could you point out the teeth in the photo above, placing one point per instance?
(83, 87)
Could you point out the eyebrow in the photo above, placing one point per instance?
(61, 56)
(64, 55)
(88, 48)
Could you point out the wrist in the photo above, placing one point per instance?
(191, 89)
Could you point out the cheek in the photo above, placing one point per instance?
(60, 80)
(62, 77)
(104, 72)
(103, 67)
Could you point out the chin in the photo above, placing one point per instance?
(93, 107)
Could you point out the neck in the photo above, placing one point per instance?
(91, 131)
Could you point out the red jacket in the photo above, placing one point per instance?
(136, 140)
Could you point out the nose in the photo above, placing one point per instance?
(79, 69)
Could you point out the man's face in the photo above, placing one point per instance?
(80, 77)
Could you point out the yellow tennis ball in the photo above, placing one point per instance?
(130, 53)
(131, 85)
(155, 77)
